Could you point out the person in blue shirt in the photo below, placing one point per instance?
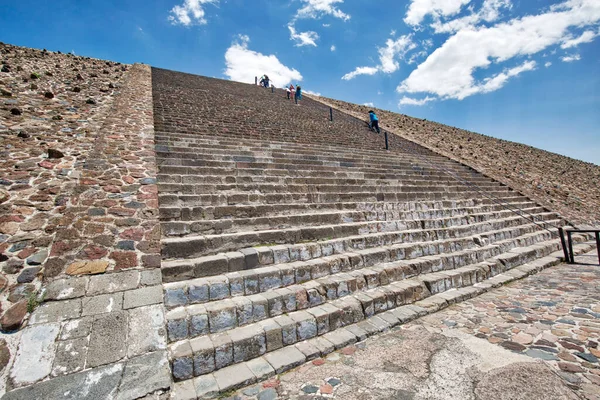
(373, 121)
(298, 96)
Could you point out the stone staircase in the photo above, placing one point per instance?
(278, 249)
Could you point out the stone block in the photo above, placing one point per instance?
(288, 329)
(248, 342)
(176, 294)
(76, 328)
(340, 338)
(198, 291)
(146, 330)
(211, 265)
(260, 368)
(35, 354)
(182, 364)
(324, 345)
(275, 303)
(218, 287)
(260, 307)
(104, 303)
(236, 261)
(265, 255)
(287, 273)
(151, 277)
(204, 355)
(107, 339)
(273, 334)
(56, 311)
(308, 349)
(236, 284)
(234, 377)
(143, 375)
(250, 282)
(116, 282)
(251, 259)
(223, 349)
(322, 319)
(306, 325)
(288, 298)
(244, 310)
(198, 320)
(177, 324)
(143, 297)
(222, 315)
(285, 359)
(268, 278)
(184, 390)
(206, 387)
(62, 289)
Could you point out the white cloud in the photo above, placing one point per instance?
(585, 37)
(332, 48)
(317, 8)
(369, 104)
(448, 71)
(244, 64)
(190, 12)
(571, 58)
(415, 102)
(547, 64)
(308, 38)
(360, 71)
(393, 33)
(311, 92)
(326, 25)
(419, 9)
(489, 12)
(388, 57)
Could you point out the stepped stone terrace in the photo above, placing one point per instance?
(214, 234)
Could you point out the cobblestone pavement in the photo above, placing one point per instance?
(536, 338)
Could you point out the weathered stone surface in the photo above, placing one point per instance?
(234, 377)
(106, 340)
(56, 311)
(206, 386)
(87, 267)
(110, 283)
(62, 289)
(143, 297)
(13, 317)
(35, 356)
(101, 383)
(104, 303)
(146, 330)
(144, 374)
(76, 328)
(285, 359)
(70, 356)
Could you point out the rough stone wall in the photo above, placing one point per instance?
(96, 227)
(51, 109)
(568, 186)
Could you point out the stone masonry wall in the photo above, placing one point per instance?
(93, 230)
(560, 183)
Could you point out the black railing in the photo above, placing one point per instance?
(567, 244)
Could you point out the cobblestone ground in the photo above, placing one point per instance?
(536, 338)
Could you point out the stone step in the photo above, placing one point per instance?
(288, 357)
(397, 245)
(205, 354)
(312, 173)
(254, 145)
(286, 180)
(394, 162)
(397, 211)
(220, 226)
(200, 319)
(269, 188)
(245, 198)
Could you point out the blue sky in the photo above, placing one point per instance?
(521, 70)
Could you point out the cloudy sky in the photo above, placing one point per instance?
(522, 70)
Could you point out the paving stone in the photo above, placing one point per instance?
(535, 353)
(35, 355)
(70, 356)
(87, 267)
(76, 328)
(340, 338)
(248, 342)
(175, 296)
(110, 283)
(144, 374)
(142, 297)
(234, 377)
(204, 355)
(223, 349)
(284, 359)
(146, 330)
(151, 278)
(206, 386)
(13, 317)
(184, 390)
(102, 304)
(107, 342)
(62, 289)
(267, 394)
(260, 368)
(308, 349)
(56, 311)
(100, 383)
